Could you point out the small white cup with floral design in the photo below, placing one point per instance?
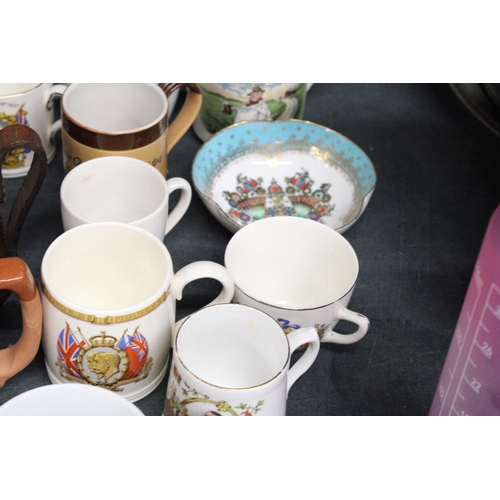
(234, 360)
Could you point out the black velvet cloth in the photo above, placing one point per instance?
(417, 242)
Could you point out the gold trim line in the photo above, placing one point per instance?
(108, 320)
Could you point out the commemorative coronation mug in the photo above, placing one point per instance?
(109, 297)
(32, 105)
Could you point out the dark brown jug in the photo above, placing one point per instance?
(16, 137)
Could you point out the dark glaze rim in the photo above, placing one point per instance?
(113, 141)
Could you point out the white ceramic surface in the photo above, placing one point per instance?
(121, 189)
(69, 400)
(256, 170)
(29, 104)
(109, 297)
(234, 360)
(299, 272)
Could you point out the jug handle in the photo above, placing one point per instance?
(16, 276)
(187, 114)
(14, 137)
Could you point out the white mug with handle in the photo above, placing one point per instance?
(122, 189)
(234, 360)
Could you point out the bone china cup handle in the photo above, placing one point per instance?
(296, 339)
(353, 317)
(189, 111)
(204, 269)
(16, 276)
(182, 205)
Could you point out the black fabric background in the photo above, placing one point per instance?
(417, 242)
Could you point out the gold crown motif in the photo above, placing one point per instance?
(102, 340)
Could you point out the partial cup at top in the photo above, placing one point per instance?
(29, 104)
(121, 189)
(227, 103)
(300, 272)
(123, 119)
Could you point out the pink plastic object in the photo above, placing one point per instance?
(470, 381)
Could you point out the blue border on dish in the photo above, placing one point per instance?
(271, 138)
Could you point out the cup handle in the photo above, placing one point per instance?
(337, 338)
(16, 276)
(182, 205)
(55, 93)
(189, 111)
(296, 339)
(204, 269)
(15, 137)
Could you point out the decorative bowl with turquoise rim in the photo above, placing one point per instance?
(253, 170)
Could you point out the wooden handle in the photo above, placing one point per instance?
(16, 276)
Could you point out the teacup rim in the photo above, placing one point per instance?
(239, 389)
(298, 221)
(164, 290)
(107, 159)
(153, 125)
(36, 86)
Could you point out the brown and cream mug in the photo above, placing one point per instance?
(123, 119)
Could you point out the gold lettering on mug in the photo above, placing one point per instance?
(107, 320)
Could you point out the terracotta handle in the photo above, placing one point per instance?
(15, 137)
(187, 114)
(16, 276)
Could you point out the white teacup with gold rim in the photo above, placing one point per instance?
(234, 360)
(109, 297)
(300, 272)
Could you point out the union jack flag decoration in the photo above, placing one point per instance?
(136, 347)
(68, 350)
(21, 116)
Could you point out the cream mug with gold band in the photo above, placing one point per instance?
(109, 297)
(123, 119)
